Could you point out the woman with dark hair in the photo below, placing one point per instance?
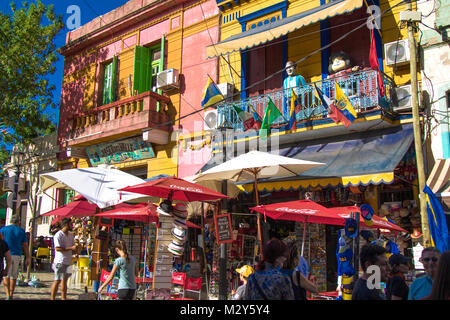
(441, 283)
(127, 267)
(268, 283)
(300, 284)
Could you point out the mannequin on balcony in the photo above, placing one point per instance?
(340, 66)
(294, 81)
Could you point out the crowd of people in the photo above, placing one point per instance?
(281, 274)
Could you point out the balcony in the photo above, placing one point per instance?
(360, 87)
(119, 119)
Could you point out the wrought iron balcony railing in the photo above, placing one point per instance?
(360, 87)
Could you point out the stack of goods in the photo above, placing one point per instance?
(179, 213)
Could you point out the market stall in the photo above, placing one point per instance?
(309, 212)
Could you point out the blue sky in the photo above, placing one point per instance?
(89, 10)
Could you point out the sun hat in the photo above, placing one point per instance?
(179, 223)
(404, 212)
(245, 270)
(175, 249)
(179, 234)
(165, 208)
(180, 210)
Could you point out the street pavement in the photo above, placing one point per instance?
(31, 293)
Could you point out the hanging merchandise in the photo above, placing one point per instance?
(367, 213)
(345, 268)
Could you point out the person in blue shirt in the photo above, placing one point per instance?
(268, 282)
(421, 287)
(17, 241)
(126, 264)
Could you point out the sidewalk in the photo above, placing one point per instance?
(31, 293)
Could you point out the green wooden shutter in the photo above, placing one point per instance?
(161, 67)
(107, 83)
(141, 81)
(113, 86)
(69, 194)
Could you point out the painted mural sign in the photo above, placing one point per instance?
(120, 151)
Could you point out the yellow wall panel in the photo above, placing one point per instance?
(89, 88)
(165, 161)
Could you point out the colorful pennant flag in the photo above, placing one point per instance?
(436, 221)
(295, 104)
(211, 94)
(333, 113)
(246, 117)
(344, 106)
(270, 115)
(258, 121)
(373, 59)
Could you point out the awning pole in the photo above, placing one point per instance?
(304, 236)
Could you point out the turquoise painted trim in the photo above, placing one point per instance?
(278, 6)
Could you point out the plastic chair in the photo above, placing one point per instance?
(41, 253)
(111, 290)
(193, 285)
(178, 279)
(83, 271)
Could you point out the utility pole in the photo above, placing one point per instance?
(412, 18)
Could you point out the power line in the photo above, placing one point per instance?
(277, 72)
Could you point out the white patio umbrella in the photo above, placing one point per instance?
(99, 184)
(255, 165)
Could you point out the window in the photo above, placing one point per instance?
(148, 61)
(109, 82)
(68, 195)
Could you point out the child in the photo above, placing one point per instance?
(127, 267)
(244, 273)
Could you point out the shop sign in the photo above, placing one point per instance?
(120, 151)
(224, 233)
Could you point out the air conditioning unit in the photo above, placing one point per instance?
(403, 102)
(210, 119)
(226, 89)
(397, 52)
(168, 79)
(5, 184)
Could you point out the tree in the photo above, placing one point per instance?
(27, 57)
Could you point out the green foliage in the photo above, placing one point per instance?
(27, 57)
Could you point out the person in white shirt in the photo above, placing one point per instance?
(64, 245)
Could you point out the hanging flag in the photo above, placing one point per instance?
(257, 118)
(270, 115)
(437, 221)
(294, 106)
(344, 106)
(333, 113)
(246, 117)
(373, 59)
(255, 114)
(211, 94)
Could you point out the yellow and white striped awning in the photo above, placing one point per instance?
(265, 33)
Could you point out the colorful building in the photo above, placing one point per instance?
(372, 160)
(114, 108)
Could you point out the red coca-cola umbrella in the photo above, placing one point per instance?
(79, 208)
(145, 212)
(173, 188)
(311, 212)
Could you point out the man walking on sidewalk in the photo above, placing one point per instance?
(63, 242)
(17, 241)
